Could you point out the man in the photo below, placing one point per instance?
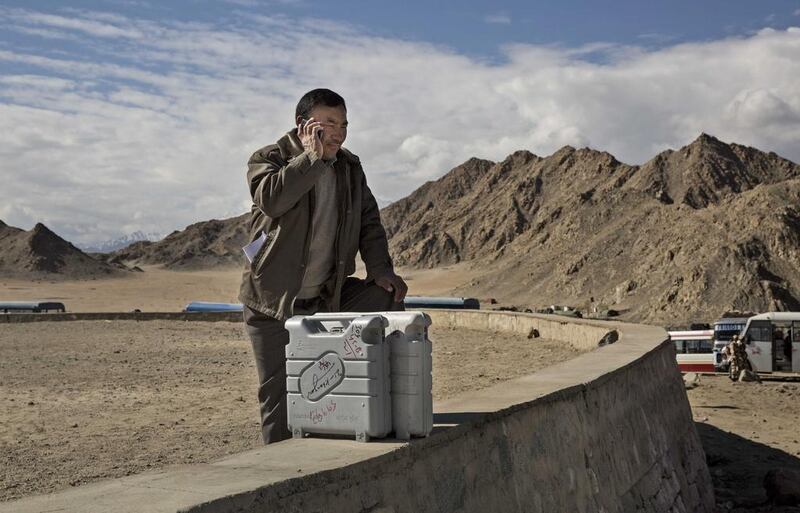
(739, 361)
(313, 211)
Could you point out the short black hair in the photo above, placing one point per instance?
(316, 97)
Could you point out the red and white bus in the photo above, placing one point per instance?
(695, 350)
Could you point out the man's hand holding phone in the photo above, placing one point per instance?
(310, 134)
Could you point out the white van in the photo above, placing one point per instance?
(773, 341)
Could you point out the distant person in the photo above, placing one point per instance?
(312, 212)
(739, 361)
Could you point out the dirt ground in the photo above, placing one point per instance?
(155, 290)
(747, 429)
(177, 288)
(87, 400)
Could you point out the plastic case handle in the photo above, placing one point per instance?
(370, 328)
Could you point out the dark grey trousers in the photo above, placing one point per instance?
(269, 339)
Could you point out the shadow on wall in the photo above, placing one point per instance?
(441, 423)
(445, 421)
(738, 467)
(458, 418)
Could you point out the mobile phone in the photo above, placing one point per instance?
(303, 122)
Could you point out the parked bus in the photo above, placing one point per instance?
(724, 330)
(30, 306)
(772, 340)
(695, 350)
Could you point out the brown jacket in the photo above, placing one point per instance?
(281, 178)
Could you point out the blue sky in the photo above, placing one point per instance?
(131, 115)
(480, 28)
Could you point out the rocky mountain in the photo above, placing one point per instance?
(205, 244)
(689, 234)
(41, 253)
(111, 245)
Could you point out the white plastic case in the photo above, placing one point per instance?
(411, 366)
(338, 376)
(412, 384)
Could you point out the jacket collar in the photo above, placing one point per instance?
(290, 145)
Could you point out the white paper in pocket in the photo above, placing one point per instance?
(253, 248)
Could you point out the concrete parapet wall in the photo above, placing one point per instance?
(584, 335)
(121, 316)
(610, 431)
(619, 440)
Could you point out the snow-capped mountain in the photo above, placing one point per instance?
(121, 242)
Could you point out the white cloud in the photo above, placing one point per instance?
(657, 37)
(499, 18)
(262, 3)
(152, 131)
(243, 3)
(761, 108)
(45, 33)
(85, 24)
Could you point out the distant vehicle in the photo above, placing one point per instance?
(727, 327)
(31, 306)
(772, 340)
(724, 330)
(568, 311)
(695, 350)
(423, 302)
(205, 307)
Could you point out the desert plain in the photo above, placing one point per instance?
(163, 290)
(82, 401)
(87, 400)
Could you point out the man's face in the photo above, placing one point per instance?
(334, 128)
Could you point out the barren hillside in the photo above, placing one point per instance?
(691, 233)
(40, 253)
(201, 245)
